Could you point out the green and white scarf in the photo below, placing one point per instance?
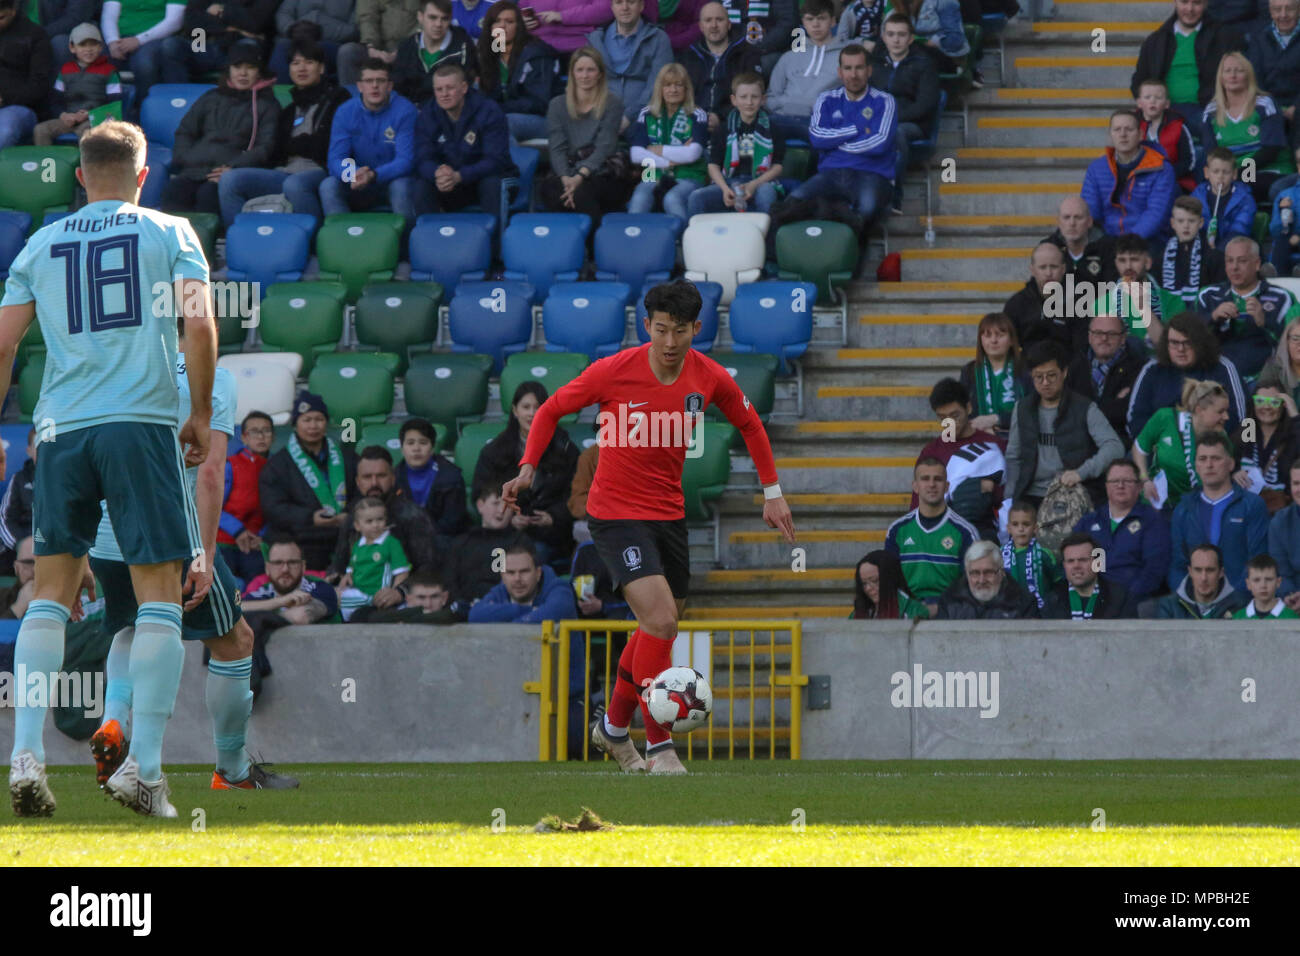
(762, 159)
(1189, 448)
(335, 499)
(675, 131)
(1080, 611)
(1029, 564)
(990, 403)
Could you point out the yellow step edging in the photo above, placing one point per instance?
(990, 221)
(1117, 93)
(875, 391)
(973, 285)
(1043, 122)
(827, 461)
(838, 427)
(1007, 189)
(840, 535)
(919, 318)
(837, 500)
(964, 352)
(997, 252)
(1099, 62)
(1027, 152)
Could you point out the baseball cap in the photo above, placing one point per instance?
(83, 32)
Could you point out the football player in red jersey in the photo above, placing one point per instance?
(652, 399)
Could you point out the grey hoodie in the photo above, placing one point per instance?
(800, 77)
(1182, 603)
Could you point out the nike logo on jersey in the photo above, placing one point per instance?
(636, 404)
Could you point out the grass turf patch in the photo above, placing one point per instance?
(916, 812)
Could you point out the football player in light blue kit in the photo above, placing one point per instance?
(217, 622)
(106, 421)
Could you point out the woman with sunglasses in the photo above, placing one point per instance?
(1167, 445)
(1266, 449)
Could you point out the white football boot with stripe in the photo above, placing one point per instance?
(147, 799)
(29, 790)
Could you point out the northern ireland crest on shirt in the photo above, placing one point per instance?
(390, 134)
(471, 137)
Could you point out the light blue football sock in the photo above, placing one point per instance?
(39, 651)
(157, 657)
(117, 671)
(230, 701)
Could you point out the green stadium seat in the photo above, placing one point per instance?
(337, 290)
(33, 343)
(755, 373)
(390, 219)
(705, 477)
(582, 434)
(472, 440)
(205, 226)
(29, 386)
(389, 436)
(1260, 229)
(817, 251)
(231, 334)
(356, 250)
(68, 154)
(399, 317)
(36, 186)
(388, 361)
(309, 321)
(552, 369)
(448, 388)
(354, 389)
(798, 161)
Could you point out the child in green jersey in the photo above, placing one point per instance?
(1034, 567)
(378, 560)
(1262, 580)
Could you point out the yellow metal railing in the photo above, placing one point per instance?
(753, 662)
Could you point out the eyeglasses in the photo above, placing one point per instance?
(284, 564)
(1044, 378)
(1267, 401)
(1179, 343)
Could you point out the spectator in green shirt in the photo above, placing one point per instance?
(1165, 449)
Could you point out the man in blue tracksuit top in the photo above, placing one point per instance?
(462, 146)
(853, 129)
(1220, 513)
(372, 149)
(1133, 535)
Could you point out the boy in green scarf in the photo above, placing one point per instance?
(745, 155)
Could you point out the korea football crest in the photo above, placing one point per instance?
(694, 403)
(632, 558)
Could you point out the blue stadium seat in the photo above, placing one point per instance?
(165, 106)
(586, 317)
(773, 317)
(636, 253)
(645, 219)
(55, 216)
(545, 248)
(158, 159)
(527, 159)
(267, 249)
(14, 226)
(492, 318)
(711, 293)
(308, 224)
(449, 248)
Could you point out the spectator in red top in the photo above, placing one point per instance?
(239, 534)
(973, 458)
(1165, 129)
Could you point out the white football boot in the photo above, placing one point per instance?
(665, 761)
(148, 799)
(624, 751)
(28, 788)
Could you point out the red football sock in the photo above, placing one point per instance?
(627, 693)
(654, 655)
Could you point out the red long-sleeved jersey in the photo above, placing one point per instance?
(645, 427)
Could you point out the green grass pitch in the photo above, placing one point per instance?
(811, 812)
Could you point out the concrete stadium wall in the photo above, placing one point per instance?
(1091, 690)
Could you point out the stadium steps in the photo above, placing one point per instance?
(1152, 11)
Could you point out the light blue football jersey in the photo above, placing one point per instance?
(102, 281)
(224, 402)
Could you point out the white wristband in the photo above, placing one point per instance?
(772, 491)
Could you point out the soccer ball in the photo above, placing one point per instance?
(680, 700)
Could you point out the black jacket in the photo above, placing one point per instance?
(16, 516)
(1276, 70)
(1026, 311)
(533, 80)
(288, 504)
(469, 571)
(226, 127)
(913, 83)
(254, 16)
(412, 80)
(551, 483)
(1119, 379)
(1212, 42)
(26, 64)
(412, 527)
(1011, 603)
(445, 505)
(1097, 264)
(711, 78)
(1113, 602)
(304, 126)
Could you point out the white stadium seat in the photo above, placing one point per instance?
(265, 381)
(724, 249)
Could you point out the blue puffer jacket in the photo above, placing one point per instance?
(1236, 213)
(1143, 204)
